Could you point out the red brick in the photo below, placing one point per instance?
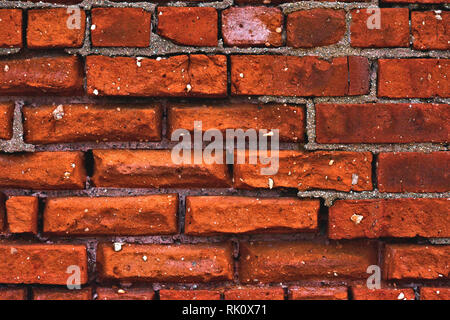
(53, 75)
(288, 119)
(290, 76)
(166, 263)
(318, 293)
(189, 294)
(315, 27)
(393, 31)
(434, 293)
(415, 1)
(334, 170)
(252, 26)
(254, 293)
(413, 78)
(218, 214)
(43, 170)
(154, 169)
(382, 123)
(61, 294)
(413, 172)
(92, 122)
(6, 120)
(189, 26)
(273, 2)
(13, 294)
(49, 28)
(125, 294)
(144, 215)
(120, 27)
(410, 261)
(292, 261)
(364, 293)
(178, 76)
(358, 75)
(403, 218)
(2, 212)
(10, 28)
(431, 30)
(22, 213)
(41, 263)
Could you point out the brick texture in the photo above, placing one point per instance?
(10, 28)
(189, 294)
(13, 294)
(22, 213)
(318, 293)
(62, 294)
(430, 30)
(249, 293)
(6, 120)
(125, 294)
(434, 293)
(363, 293)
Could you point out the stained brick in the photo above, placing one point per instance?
(10, 28)
(6, 120)
(22, 213)
(430, 30)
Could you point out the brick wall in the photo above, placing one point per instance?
(89, 100)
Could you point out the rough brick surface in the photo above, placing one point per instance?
(166, 263)
(2, 212)
(252, 26)
(154, 169)
(22, 213)
(177, 76)
(120, 27)
(144, 215)
(430, 30)
(62, 294)
(41, 263)
(6, 120)
(318, 293)
(382, 123)
(92, 122)
(413, 172)
(189, 26)
(404, 218)
(249, 293)
(434, 293)
(292, 261)
(334, 170)
(10, 28)
(62, 170)
(189, 294)
(13, 294)
(392, 31)
(125, 294)
(358, 75)
(413, 78)
(363, 293)
(53, 75)
(55, 28)
(409, 261)
(315, 27)
(287, 119)
(215, 215)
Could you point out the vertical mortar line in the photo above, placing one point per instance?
(310, 124)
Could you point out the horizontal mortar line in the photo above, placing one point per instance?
(375, 194)
(378, 148)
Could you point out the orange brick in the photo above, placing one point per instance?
(125, 294)
(318, 293)
(254, 293)
(10, 28)
(6, 120)
(61, 294)
(165, 294)
(22, 213)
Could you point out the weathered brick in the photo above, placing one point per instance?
(43, 170)
(364, 293)
(415, 1)
(218, 214)
(318, 293)
(254, 293)
(178, 76)
(2, 212)
(292, 261)
(6, 120)
(13, 294)
(410, 261)
(53, 75)
(55, 28)
(252, 26)
(413, 78)
(22, 213)
(189, 294)
(91, 122)
(166, 263)
(41, 263)
(120, 27)
(431, 30)
(288, 119)
(190, 26)
(61, 294)
(125, 294)
(393, 30)
(382, 123)
(315, 27)
(434, 293)
(374, 218)
(290, 76)
(413, 172)
(358, 75)
(154, 169)
(11, 28)
(334, 170)
(144, 215)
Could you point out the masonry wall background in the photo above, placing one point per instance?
(364, 167)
